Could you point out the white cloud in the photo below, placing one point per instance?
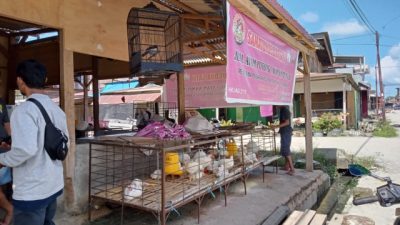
(391, 66)
(390, 70)
(309, 17)
(344, 28)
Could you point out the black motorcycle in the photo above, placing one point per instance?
(386, 195)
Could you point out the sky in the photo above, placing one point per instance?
(350, 37)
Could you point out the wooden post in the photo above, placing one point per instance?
(345, 104)
(96, 95)
(181, 97)
(181, 79)
(85, 98)
(67, 100)
(307, 99)
(4, 44)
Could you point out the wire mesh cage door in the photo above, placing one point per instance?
(154, 42)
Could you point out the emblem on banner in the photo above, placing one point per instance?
(239, 28)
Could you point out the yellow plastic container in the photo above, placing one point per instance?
(172, 164)
(231, 148)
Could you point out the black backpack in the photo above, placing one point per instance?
(55, 141)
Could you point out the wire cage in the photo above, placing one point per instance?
(160, 176)
(154, 42)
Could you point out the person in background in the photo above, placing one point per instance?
(7, 207)
(5, 130)
(38, 180)
(5, 134)
(285, 130)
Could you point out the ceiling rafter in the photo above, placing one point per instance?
(202, 17)
(184, 6)
(169, 6)
(204, 54)
(204, 37)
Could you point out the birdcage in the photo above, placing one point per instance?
(154, 42)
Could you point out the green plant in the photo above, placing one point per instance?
(327, 122)
(326, 165)
(384, 129)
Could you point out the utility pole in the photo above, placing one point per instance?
(382, 91)
(376, 91)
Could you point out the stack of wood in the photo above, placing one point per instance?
(309, 217)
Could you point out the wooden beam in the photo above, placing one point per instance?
(181, 97)
(169, 6)
(33, 32)
(308, 103)
(3, 33)
(4, 51)
(181, 80)
(277, 21)
(85, 98)
(300, 70)
(253, 12)
(286, 22)
(201, 17)
(67, 100)
(96, 95)
(183, 6)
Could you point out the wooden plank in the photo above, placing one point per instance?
(248, 8)
(308, 103)
(306, 219)
(67, 93)
(294, 217)
(319, 219)
(336, 219)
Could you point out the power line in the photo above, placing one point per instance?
(360, 14)
(363, 15)
(383, 45)
(355, 36)
(391, 20)
(390, 37)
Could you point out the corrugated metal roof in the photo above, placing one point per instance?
(119, 86)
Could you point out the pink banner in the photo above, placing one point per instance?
(266, 110)
(260, 67)
(204, 88)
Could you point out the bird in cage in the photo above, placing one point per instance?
(151, 51)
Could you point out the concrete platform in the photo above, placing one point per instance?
(300, 191)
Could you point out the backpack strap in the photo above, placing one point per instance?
(42, 110)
